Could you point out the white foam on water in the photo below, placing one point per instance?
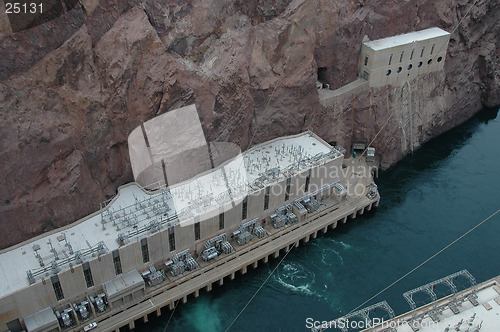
(324, 256)
(345, 245)
(203, 315)
(305, 289)
(296, 278)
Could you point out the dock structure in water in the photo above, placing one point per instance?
(474, 309)
(452, 303)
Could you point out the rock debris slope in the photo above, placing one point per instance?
(74, 87)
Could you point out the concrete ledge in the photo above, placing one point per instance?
(327, 97)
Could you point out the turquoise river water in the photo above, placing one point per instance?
(429, 199)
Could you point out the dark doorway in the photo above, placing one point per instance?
(322, 75)
(359, 146)
(15, 326)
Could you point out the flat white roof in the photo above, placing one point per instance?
(406, 38)
(486, 314)
(41, 320)
(123, 284)
(135, 213)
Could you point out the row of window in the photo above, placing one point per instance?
(244, 210)
(267, 194)
(410, 66)
(56, 284)
(411, 55)
(87, 273)
(402, 54)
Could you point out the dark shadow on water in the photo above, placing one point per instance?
(429, 156)
(351, 224)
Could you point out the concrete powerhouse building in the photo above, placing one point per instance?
(397, 59)
(140, 239)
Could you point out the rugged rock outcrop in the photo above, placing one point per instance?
(72, 89)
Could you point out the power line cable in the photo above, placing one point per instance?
(171, 315)
(425, 261)
(460, 22)
(265, 281)
(258, 290)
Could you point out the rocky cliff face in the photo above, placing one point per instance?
(72, 89)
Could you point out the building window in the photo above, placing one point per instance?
(432, 49)
(411, 55)
(308, 180)
(422, 53)
(244, 207)
(287, 190)
(390, 60)
(366, 61)
(116, 262)
(145, 250)
(57, 288)
(197, 231)
(221, 221)
(266, 198)
(171, 238)
(401, 57)
(88, 275)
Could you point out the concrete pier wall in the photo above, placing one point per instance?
(190, 286)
